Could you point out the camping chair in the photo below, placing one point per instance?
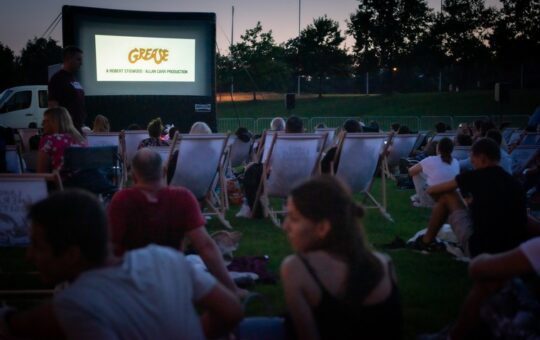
(401, 146)
(25, 135)
(14, 162)
(461, 152)
(95, 169)
(522, 156)
(359, 155)
(292, 158)
(200, 158)
(18, 192)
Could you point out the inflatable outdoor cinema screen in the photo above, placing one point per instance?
(141, 65)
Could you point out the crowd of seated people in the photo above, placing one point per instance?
(335, 285)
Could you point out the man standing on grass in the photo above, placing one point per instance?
(64, 89)
(149, 293)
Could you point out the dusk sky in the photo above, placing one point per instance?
(21, 20)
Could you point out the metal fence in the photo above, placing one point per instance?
(415, 123)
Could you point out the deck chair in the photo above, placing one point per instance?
(359, 155)
(437, 137)
(531, 138)
(18, 192)
(401, 147)
(239, 152)
(265, 144)
(522, 156)
(422, 135)
(199, 160)
(129, 142)
(103, 139)
(461, 152)
(96, 169)
(507, 133)
(163, 151)
(515, 137)
(14, 162)
(25, 135)
(292, 158)
(331, 132)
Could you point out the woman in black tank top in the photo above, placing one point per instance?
(336, 287)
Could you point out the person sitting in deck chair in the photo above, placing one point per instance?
(152, 212)
(494, 220)
(148, 293)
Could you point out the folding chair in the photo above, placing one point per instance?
(401, 146)
(331, 136)
(359, 155)
(103, 139)
(422, 135)
(522, 156)
(292, 158)
(531, 138)
(25, 135)
(96, 169)
(507, 133)
(461, 152)
(129, 142)
(437, 137)
(200, 158)
(18, 192)
(163, 151)
(265, 144)
(14, 162)
(239, 151)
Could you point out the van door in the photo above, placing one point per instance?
(16, 111)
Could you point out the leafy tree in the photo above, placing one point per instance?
(317, 52)
(38, 54)
(258, 61)
(8, 68)
(387, 31)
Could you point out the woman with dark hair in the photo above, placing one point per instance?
(336, 287)
(59, 133)
(154, 130)
(433, 170)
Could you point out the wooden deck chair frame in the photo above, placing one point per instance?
(48, 177)
(262, 194)
(403, 153)
(210, 197)
(19, 163)
(382, 163)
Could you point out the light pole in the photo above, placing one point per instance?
(299, 12)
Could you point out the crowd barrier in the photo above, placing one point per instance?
(415, 123)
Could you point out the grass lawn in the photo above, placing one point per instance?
(521, 102)
(432, 286)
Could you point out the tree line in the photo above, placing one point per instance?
(399, 45)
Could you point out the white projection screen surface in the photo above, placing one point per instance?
(120, 58)
(129, 53)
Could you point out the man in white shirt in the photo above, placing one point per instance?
(148, 294)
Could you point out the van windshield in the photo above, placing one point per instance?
(4, 95)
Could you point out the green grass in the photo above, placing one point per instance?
(521, 102)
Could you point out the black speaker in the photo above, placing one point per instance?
(290, 101)
(502, 92)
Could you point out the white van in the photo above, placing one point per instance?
(22, 105)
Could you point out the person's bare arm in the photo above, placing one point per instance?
(415, 169)
(297, 304)
(222, 311)
(499, 266)
(43, 162)
(442, 188)
(209, 252)
(37, 323)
